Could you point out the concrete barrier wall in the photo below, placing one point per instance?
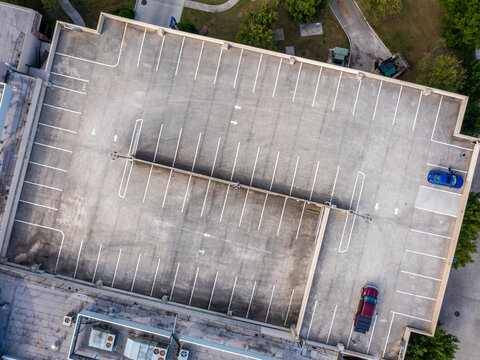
(21, 165)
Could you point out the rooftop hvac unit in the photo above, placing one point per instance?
(69, 319)
(103, 339)
(184, 354)
(160, 352)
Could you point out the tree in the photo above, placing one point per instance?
(378, 10)
(442, 346)
(471, 120)
(442, 72)
(467, 240)
(256, 27)
(461, 23)
(302, 11)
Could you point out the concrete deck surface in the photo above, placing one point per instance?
(310, 130)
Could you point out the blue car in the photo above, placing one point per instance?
(451, 179)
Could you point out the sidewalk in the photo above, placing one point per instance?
(211, 8)
(72, 13)
(158, 12)
(365, 45)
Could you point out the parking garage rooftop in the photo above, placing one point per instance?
(244, 182)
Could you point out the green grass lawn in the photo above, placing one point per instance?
(90, 9)
(413, 31)
(50, 13)
(225, 26)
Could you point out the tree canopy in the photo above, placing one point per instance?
(467, 240)
(379, 10)
(442, 346)
(443, 71)
(256, 27)
(302, 11)
(461, 23)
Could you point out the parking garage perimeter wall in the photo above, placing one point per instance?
(21, 165)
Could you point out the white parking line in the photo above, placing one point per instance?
(179, 56)
(418, 108)
(61, 108)
(78, 259)
(160, 52)
(67, 89)
(371, 335)
(311, 320)
(52, 147)
(446, 168)
(141, 47)
(251, 182)
(199, 58)
(266, 196)
(288, 308)
(376, 102)
(174, 281)
(276, 79)
(48, 228)
(418, 275)
(233, 291)
(43, 186)
(136, 270)
(47, 166)
(231, 178)
(251, 298)
(444, 191)
(396, 108)
(171, 171)
(309, 198)
(131, 151)
(390, 327)
(57, 128)
(69, 77)
(290, 193)
(155, 277)
(349, 337)
(435, 212)
(211, 175)
(331, 324)
(258, 70)
(96, 264)
(429, 255)
(39, 205)
(296, 84)
(431, 234)
(193, 287)
(414, 295)
(334, 184)
(356, 97)
(238, 68)
(190, 177)
(316, 86)
(270, 302)
(355, 212)
(96, 62)
(116, 268)
(151, 166)
(218, 65)
(336, 93)
(213, 290)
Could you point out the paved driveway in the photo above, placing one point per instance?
(158, 12)
(365, 46)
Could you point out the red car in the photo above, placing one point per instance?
(366, 309)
